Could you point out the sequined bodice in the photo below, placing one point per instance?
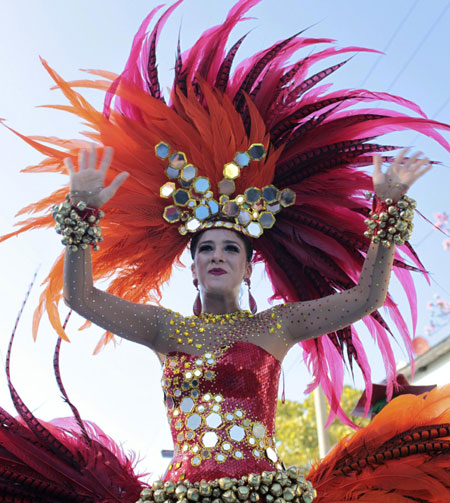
(221, 408)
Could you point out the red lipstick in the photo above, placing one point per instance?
(217, 271)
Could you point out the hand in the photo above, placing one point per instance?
(401, 174)
(88, 183)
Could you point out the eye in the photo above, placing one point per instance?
(205, 247)
(232, 248)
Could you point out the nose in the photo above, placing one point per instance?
(217, 255)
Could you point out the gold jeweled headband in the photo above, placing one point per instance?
(195, 207)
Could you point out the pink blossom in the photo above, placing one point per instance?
(429, 329)
(429, 305)
(446, 244)
(440, 302)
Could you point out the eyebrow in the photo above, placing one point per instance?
(226, 241)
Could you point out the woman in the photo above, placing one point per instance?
(231, 158)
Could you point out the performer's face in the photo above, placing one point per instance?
(220, 262)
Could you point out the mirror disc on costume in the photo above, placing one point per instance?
(271, 454)
(252, 195)
(187, 404)
(231, 209)
(257, 151)
(167, 189)
(201, 212)
(266, 219)
(213, 420)
(270, 194)
(178, 160)
(220, 458)
(181, 197)
(213, 206)
(171, 214)
(162, 150)
(244, 217)
(231, 171)
(254, 229)
(172, 172)
(201, 185)
(287, 197)
(259, 430)
(196, 460)
(209, 439)
(193, 422)
(188, 173)
(242, 159)
(226, 446)
(236, 433)
(273, 208)
(226, 187)
(193, 224)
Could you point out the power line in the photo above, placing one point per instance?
(419, 46)
(386, 47)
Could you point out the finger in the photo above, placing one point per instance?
(81, 159)
(419, 163)
(107, 158)
(115, 184)
(424, 170)
(92, 157)
(411, 160)
(69, 165)
(399, 159)
(377, 163)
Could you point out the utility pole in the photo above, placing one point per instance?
(321, 415)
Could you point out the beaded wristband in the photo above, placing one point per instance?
(78, 224)
(391, 223)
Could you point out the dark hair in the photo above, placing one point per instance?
(245, 239)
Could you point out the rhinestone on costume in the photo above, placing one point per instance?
(167, 189)
(187, 404)
(271, 454)
(213, 207)
(226, 187)
(171, 214)
(231, 171)
(162, 150)
(242, 159)
(257, 151)
(244, 217)
(259, 430)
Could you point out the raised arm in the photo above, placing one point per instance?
(305, 320)
(135, 322)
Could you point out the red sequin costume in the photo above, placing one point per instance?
(221, 406)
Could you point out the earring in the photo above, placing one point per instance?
(251, 299)
(197, 307)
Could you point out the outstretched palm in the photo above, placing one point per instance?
(88, 183)
(401, 174)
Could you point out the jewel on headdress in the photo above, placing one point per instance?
(231, 171)
(188, 173)
(249, 213)
(257, 152)
(167, 189)
(242, 159)
(162, 150)
(201, 185)
(181, 197)
(226, 187)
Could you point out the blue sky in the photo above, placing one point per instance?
(119, 389)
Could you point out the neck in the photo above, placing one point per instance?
(219, 304)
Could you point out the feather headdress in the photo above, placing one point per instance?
(316, 144)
